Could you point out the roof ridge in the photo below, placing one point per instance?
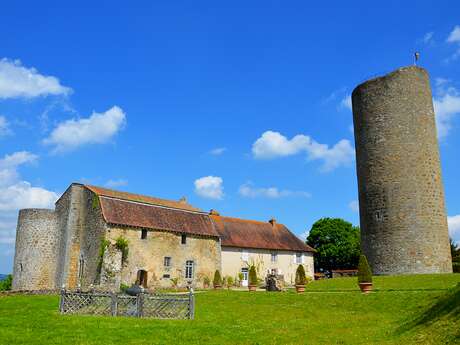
(248, 220)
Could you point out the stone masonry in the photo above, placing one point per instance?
(401, 196)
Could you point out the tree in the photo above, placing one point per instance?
(337, 243)
(300, 278)
(252, 275)
(5, 284)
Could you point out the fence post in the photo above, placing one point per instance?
(61, 302)
(140, 305)
(191, 304)
(114, 304)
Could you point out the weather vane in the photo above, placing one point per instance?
(416, 57)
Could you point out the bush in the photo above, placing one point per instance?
(124, 287)
(300, 277)
(364, 270)
(252, 275)
(217, 281)
(122, 245)
(230, 282)
(5, 284)
(456, 267)
(206, 280)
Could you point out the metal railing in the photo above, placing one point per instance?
(156, 305)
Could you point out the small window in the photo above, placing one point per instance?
(183, 239)
(378, 216)
(189, 269)
(274, 257)
(167, 261)
(144, 234)
(166, 276)
(21, 267)
(298, 258)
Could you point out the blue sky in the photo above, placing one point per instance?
(239, 107)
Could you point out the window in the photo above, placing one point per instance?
(378, 216)
(81, 267)
(274, 257)
(298, 258)
(166, 276)
(183, 239)
(244, 255)
(143, 234)
(167, 261)
(189, 269)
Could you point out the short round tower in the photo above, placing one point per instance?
(37, 250)
(401, 196)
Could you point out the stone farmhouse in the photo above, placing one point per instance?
(104, 238)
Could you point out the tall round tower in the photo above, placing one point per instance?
(401, 196)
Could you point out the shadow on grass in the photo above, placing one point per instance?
(447, 307)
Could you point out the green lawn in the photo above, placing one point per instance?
(422, 309)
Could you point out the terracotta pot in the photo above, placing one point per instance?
(217, 286)
(300, 288)
(365, 287)
(205, 286)
(252, 287)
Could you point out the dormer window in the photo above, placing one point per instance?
(143, 234)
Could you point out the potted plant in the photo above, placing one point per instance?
(364, 275)
(240, 279)
(206, 282)
(217, 281)
(300, 279)
(252, 284)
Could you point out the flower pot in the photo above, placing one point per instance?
(205, 286)
(300, 288)
(365, 287)
(252, 287)
(217, 286)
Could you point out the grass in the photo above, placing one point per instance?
(421, 309)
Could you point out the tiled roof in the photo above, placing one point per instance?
(243, 233)
(141, 198)
(129, 213)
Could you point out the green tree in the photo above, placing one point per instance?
(252, 275)
(337, 243)
(364, 270)
(5, 284)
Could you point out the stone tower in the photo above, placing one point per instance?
(401, 196)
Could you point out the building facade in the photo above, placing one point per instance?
(104, 238)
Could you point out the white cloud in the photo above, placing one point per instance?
(454, 38)
(4, 127)
(454, 35)
(210, 187)
(354, 205)
(17, 81)
(454, 227)
(16, 194)
(97, 129)
(247, 190)
(218, 151)
(446, 106)
(273, 144)
(113, 183)
(346, 102)
(428, 37)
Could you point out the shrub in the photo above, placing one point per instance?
(240, 278)
(456, 267)
(364, 270)
(124, 287)
(300, 277)
(175, 282)
(252, 275)
(230, 282)
(5, 284)
(122, 245)
(206, 280)
(217, 281)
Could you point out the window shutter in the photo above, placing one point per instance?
(294, 258)
(302, 258)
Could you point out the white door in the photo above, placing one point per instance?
(244, 282)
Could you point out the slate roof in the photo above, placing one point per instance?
(242, 233)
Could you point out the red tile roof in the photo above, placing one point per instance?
(128, 213)
(243, 233)
(182, 205)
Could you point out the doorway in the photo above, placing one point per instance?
(244, 271)
(142, 278)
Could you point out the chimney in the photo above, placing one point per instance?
(183, 200)
(272, 221)
(214, 213)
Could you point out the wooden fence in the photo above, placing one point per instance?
(157, 305)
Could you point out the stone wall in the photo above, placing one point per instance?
(148, 254)
(36, 254)
(401, 196)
